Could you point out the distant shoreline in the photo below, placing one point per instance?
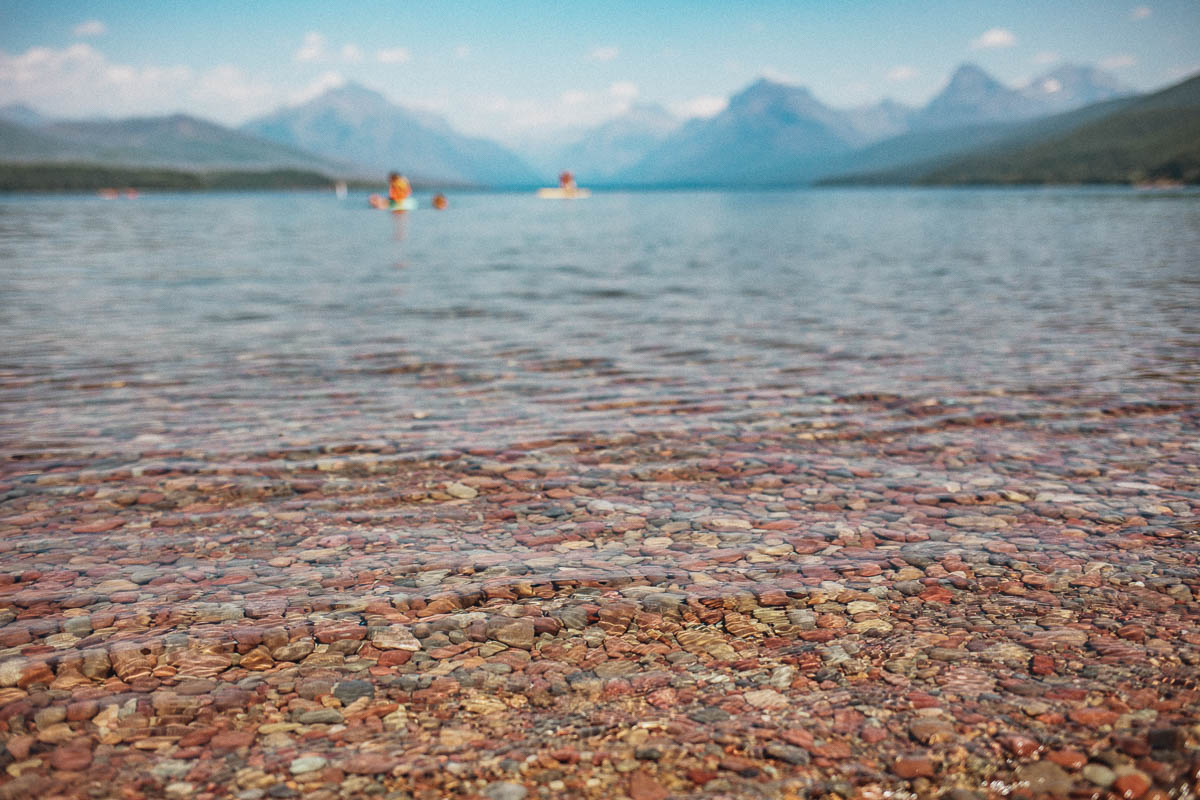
(76, 178)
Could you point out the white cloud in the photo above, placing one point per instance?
(313, 48)
(901, 72)
(394, 55)
(1118, 61)
(605, 53)
(703, 106)
(521, 120)
(623, 90)
(1046, 57)
(230, 86)
(994, 37)
(92, 27)
(462, 51)
(323, 83)
(79, 81)
(1140, 13)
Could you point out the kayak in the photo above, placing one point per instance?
(558, 193)
(381, 202)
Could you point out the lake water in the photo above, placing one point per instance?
(232, 322)
(523, 475)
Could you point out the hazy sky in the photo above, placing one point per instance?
(518, 69)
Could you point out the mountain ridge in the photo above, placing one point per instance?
(363, 127)
(1125, 140)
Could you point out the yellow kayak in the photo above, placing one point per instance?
(558, 193)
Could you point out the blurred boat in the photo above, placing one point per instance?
(559, 193)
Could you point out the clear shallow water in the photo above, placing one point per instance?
(525, 478)
(235, 323)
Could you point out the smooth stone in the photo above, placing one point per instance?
(321, 716)
(299, 766)
(503, 790)
(349, 691)
(1099, 774)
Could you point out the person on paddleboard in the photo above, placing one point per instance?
(566, 180)
(399, 189)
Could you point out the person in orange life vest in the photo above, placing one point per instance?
(399, 188)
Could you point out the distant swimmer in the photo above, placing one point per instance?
(566, 180)
(399, 195)
(399, 189)
(439, 201)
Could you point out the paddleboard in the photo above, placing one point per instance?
(558, 193)
(381, 202)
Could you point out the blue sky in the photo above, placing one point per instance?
(518, 70)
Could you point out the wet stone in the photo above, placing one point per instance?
(300, 766)
(1099, 774)
(504, 790)
(789, 753)
(1045, 777)
(609, 567)
(349, 691)
(323, 716)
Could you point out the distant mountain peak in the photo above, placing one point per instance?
(973, 77)
(1073, 85)
(348, 95)
(767, 95)
(360, 125)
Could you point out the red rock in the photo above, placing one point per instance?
(1131, 785)
(1021, 746)
(1093, 717)
(835, 750)
(99, 526)
(798, 737)
(14, 636)
(231, 740)
(565, 755)
(369, 764)
(873, 734)
(71, 757)
(913, 767)
(82, 709)
(1042, 664)
(196, 738)
(642, 786)
(1067, 759)
(18, 746)
(937, 594)
(394, 658)
(34, 673)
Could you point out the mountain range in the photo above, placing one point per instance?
(773, 133)
(1146, 139)
(177, 140)
(363, 127)
(770, 133)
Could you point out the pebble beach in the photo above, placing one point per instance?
(697, 557)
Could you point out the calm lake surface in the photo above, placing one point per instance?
(785, 494)
(239, 323)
